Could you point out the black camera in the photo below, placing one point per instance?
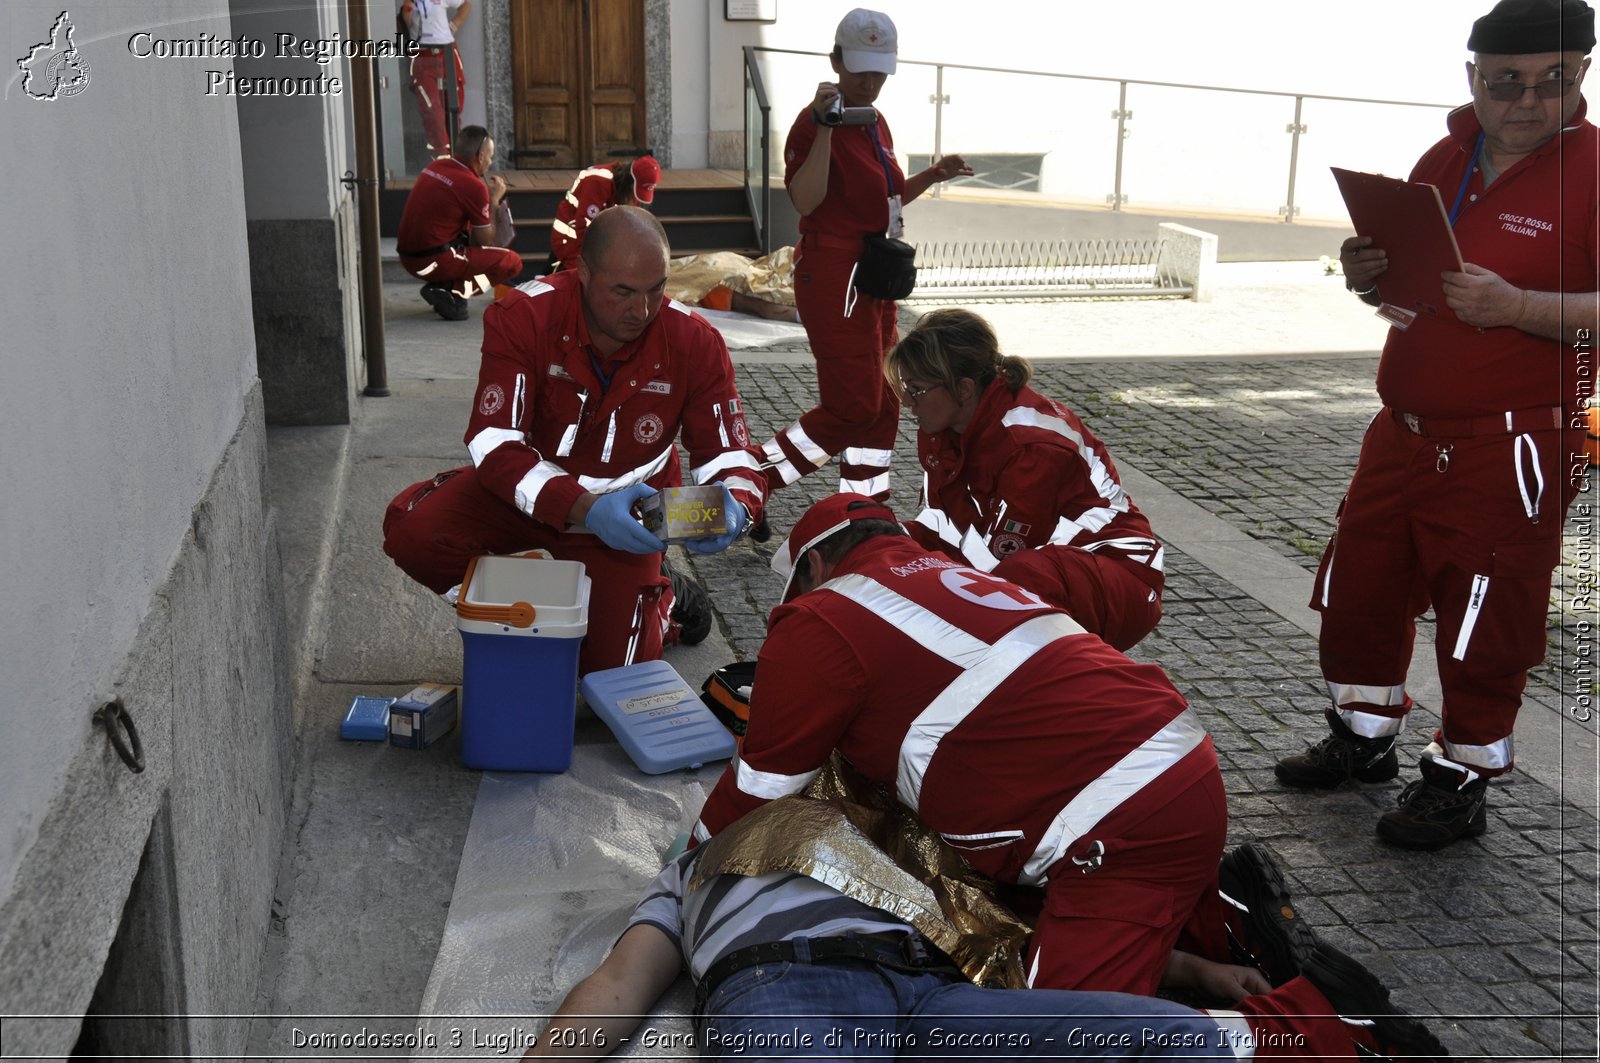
(838, 114)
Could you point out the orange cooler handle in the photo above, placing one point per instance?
(517, 614)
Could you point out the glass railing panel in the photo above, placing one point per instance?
(1202, 151)
(1371, 137)
(1025, 133)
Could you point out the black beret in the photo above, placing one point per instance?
(1532, 27)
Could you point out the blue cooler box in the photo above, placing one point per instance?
(521, 620)
(659, 721)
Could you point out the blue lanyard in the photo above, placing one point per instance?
(604, 377)
(1455, 208)
(888, 178)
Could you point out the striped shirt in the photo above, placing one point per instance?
(732, 912)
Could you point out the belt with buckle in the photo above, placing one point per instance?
(834, 241)
(904, 952)
(1533, 419)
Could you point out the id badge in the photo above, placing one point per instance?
(897, 225)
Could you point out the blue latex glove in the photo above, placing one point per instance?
(738, 518)
(611, 517)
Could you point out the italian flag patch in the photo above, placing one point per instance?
(1016, 527)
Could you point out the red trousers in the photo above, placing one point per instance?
(858, 415)
(1113, 926)
(1471, 526)
(1103, 592)
(427, 81)
(468, 271)
(433, 528)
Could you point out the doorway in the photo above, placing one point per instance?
(578, 93)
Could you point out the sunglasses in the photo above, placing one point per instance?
(911, 395)
(1511, 91)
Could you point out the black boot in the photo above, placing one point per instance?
(691, 609)
(1267, 932)
(1341, 756)
(1361, 999)
(1437, 809)
(445, 303)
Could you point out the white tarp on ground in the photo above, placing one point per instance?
(745, 331)
(551, 869)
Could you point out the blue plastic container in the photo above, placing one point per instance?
(522, 620)
(657, 719)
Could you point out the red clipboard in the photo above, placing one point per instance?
(1407, 219)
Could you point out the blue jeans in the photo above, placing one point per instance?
(858, 1010)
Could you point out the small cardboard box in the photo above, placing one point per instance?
(366, 720)
(676, 514)
(423, 716)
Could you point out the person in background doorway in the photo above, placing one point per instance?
(433, 24)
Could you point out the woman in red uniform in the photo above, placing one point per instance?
(845, 182)
(1014, 482)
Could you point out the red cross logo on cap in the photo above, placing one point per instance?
(872, 38)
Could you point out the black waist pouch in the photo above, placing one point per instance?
(887, 269)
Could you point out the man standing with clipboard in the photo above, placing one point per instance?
(1459, 495)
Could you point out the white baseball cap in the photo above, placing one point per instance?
(867, 42)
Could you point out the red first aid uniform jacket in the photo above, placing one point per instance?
(544, 431)
(446, 201)
(1459, 495)
(1025, 741)
(593, 191)
(1538, 226)
(1025, 474)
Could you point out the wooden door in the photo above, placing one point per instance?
(579, 94)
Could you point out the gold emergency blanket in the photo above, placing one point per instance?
(862, 842)
(770, 277)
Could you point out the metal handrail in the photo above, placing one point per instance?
(1121, 114)
(753, 84)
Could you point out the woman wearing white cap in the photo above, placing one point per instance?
(843, 178)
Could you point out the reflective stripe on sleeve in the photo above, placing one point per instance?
(484, 443)
(1236, 1031)
(769, 786)
(939, 522)
(528, 488)
(638, 475)
(723, 463)
(1158, 753)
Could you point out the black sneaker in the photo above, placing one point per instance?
(1271, 934)
(1341, 756)
(445, 303)
(1436, 810)
(761, 531)
(1362, 1002)
(691, 609)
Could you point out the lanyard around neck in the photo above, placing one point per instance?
(1455, 208)
(888, 178)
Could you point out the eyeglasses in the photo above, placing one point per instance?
(1512, 91)
(910, 396)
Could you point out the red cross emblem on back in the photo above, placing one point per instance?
(989, 591)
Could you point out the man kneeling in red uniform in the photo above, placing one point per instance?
(1043, 755)
(587, 378)
(454, 227)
